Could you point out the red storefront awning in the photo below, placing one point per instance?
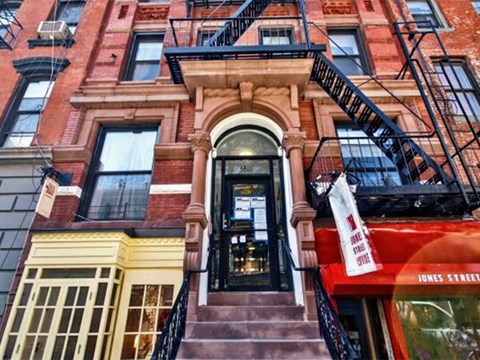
(418, 259)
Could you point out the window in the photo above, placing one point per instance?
(364, 160)
(276, 36)
(22, 122)
(423, 10)
(204, 35)
(7, 16)
(70, 12)
(463, 85)
(148, 310)
(476, 5)
(145, 57)
(348, 55)
(154, 1)
(63, 318)
(122, 171)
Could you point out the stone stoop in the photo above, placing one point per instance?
(252, 325)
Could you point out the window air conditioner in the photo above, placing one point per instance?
(54, 30)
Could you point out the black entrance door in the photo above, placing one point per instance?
(248, 246)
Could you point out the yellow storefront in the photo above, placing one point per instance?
(101, 295)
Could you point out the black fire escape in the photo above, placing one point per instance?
(10, 27)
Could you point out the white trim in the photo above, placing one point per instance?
(265, 123)
(166, 189)
(69, 191)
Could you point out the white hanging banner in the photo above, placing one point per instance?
(47, 197)
(358, 252)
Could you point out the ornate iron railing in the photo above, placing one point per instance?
(330, 327)
(173, 331)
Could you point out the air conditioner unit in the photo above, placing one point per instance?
(54, 30)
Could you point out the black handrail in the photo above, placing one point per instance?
(173, 331)
(329, 324)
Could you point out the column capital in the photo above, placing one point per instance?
(200, 141)
(293, 140)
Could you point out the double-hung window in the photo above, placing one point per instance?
(459, 81)
(276, 36)
(145, 57)
(423, 11)
(364, 160)
(476, 5)
(122, 169)
(70, 12)
(348, 54)
(22, 121)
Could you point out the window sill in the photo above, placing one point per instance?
(32, 43)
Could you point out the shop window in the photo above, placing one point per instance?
(148, 310)
(460, 82)
(7, 16)
(364, 160)
(120, 182)
(56, 319)
(70, 12)
(424, 11)
(22, 121)
(145, 57)
(440, 328)
(476, 5)
(348, 54)
(276, 36)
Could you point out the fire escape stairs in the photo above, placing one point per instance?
(411, 160)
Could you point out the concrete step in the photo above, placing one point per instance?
(251, 298)
(274, 330)
(250, 313)
(253, 349)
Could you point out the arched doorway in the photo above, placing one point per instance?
(247, 212)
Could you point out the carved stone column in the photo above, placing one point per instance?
(302, 213)
(195, 217)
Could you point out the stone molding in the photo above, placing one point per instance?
(170, 189)
(200, 141)
(293, 141)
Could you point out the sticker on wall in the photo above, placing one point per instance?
(47, 198)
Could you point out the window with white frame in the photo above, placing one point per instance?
(347, 52)
(461, 89)
(423, 11)
(120, 181)
(63, 313)
(276, 36)
(148, 310)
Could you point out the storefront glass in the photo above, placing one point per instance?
(441, 328)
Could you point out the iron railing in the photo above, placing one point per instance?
(329, 324)
(10, 27)
(173, 331)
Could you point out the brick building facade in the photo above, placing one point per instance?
(191, 135)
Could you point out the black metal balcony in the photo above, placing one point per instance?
(265, 38)
(380, 186)
(10, 27)
(216, 3)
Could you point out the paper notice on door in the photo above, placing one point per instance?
(242, 202)
(258, 202)
(234, 240)
(243, 239)
(242, 214)
(261, 235)
(260, 225)
(260, 215)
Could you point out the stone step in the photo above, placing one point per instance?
(250, 313)
(253, 349)
(253, 330)
(251, 298)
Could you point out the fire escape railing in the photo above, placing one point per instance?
(441, 89)
(10, 27)
(329, 324)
